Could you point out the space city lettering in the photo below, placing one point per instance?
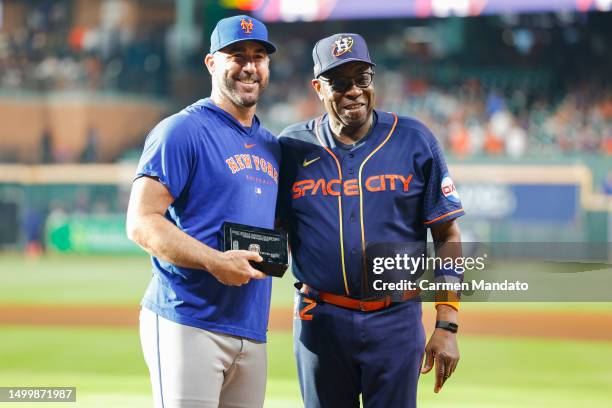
(350, 187)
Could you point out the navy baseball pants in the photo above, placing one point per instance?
(342, 353)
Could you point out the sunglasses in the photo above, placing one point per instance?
(342, 85)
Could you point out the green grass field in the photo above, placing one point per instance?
(121, 280)
(87, 279)
(106, 367)
(106, 364)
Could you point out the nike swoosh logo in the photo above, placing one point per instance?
(309, 162)
(248, 146)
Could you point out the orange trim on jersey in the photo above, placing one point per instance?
(447, 296)
(443, 216)
(363, 241)
(328, 150)
(311, 305)
(454, 305)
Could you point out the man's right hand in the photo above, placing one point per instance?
(232, 268)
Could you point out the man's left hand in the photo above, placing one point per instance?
(441, 348)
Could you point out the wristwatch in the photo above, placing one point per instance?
(450, 326)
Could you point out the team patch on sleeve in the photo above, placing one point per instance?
(448, 189)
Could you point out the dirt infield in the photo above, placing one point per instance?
(540, 324)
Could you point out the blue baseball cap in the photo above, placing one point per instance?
(339, 49)
(239, 28)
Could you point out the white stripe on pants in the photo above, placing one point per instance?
(195, 368)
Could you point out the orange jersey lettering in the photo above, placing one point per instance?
(330, 189)
(256, 161)
(319, 184)
(270, 170)
(246, 158)
(350, 187)
(300, 187)
(406, 181)
(239, 161)
(232, 165)
(370, 187)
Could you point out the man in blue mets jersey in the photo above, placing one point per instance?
(205, 313)
(354, 180)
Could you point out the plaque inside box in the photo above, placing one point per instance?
(270, 244)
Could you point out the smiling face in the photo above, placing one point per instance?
(240, 72)
(349, 105)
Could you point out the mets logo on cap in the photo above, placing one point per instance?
(342, 45)
(246, 25)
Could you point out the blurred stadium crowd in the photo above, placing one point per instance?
(512, 86)
(495, 93)
(51, 53)
(524, 88)
(471, 119)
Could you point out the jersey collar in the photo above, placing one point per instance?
(380, 118)
(229, 119)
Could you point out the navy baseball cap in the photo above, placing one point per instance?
(239, 28)
(338, 49)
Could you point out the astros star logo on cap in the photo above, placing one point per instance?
(247, 26)
(342, 45)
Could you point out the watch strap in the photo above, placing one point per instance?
(446, 325)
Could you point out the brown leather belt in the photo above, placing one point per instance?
(369, 305)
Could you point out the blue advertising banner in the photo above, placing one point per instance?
(536, 203)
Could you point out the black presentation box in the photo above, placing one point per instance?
(271, 245)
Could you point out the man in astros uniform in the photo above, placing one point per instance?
(353, 179)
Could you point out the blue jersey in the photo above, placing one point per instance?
(217, 170)
(337, 200)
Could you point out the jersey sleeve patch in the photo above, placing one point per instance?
(449, 191)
